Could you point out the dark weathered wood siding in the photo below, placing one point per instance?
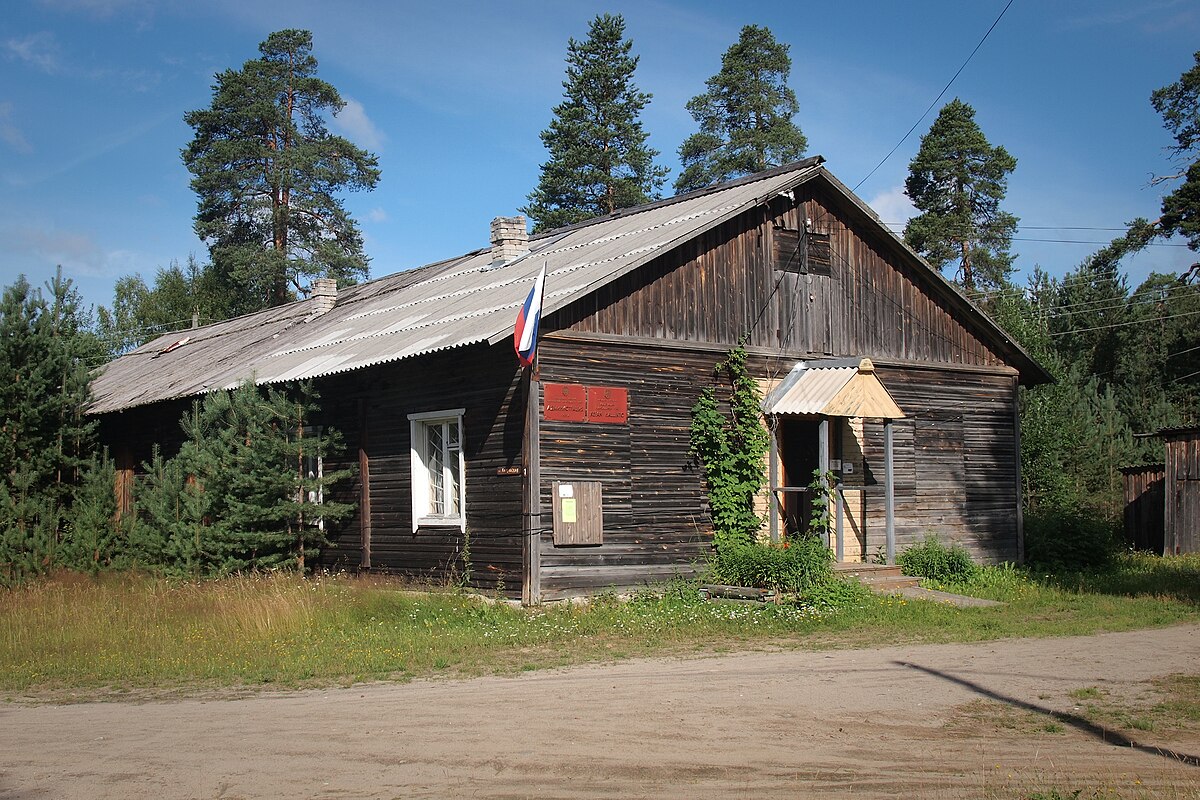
(370, 408)
(655, 521)
(724, 285)
(1182, 488)
(1143, 516)
(955, 456)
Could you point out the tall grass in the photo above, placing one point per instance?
(77, 636)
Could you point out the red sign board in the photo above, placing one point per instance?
(565, 402)
(608, 404)
(571, 402)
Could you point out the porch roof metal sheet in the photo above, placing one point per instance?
(809, 387)
(444, 305)
(834, 388)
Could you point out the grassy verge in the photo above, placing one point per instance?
(118, 633)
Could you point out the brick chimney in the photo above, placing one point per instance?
(510, 239)
(324, 295)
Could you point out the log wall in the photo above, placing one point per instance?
(655, 521)
(1182, 488)
(736, 281)
(370, 408)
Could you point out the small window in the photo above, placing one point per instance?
(788, 257)
(437, 469)
(805, 252)
(818, 256)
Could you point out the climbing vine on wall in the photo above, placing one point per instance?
(730, 446)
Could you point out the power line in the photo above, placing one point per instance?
(1185, 377)
(1024, 227)
(937, 99)
(1181, 352)
(1088, 241)
(899, 225)
(1125, 324)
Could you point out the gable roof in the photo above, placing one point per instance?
(448, 304)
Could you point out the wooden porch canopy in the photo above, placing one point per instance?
(841, 388)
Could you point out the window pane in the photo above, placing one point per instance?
(434, 462)
(454, 435)
(452, 495)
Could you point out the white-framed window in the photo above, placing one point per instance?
(438, 495)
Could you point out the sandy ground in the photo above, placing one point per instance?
(913, 721)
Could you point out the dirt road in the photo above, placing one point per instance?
(916, 721)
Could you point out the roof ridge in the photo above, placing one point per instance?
(794, 166)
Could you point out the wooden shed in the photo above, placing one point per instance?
(1181, 490)
(1144, 506)
(575, 477)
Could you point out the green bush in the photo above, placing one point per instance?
(1068, 540)
(797, 565)
(934, 560)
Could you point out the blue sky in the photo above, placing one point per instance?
(452, 96)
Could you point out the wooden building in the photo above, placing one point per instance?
(1181, 490)
(1162, 501)
(577, 478)
(1142, 485)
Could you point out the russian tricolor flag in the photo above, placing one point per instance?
(525, 331)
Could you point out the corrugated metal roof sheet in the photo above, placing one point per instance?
(440, 306)
(837, 388)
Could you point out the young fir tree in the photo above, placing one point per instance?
(267, 170)
(599, 160)
(98, 536)
(745, 117)
(239, 494)
(957, 181)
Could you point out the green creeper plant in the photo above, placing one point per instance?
(730, 444)
(820, 523)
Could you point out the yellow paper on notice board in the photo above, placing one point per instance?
(568, 509)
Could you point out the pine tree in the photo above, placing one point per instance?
(266, 171)
(745, 117)
(45, 353)
(599, 160)
(957, 181)
(1179, 105)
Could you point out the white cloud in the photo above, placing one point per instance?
(354, 123)
(10, 133)
(40, 50)
(377, 215)
(893, 207)
(38, 249)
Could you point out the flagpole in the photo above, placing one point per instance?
(531, 528)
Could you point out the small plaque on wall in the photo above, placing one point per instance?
(607, 404)
(565, 402)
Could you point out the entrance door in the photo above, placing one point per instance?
(799, 456)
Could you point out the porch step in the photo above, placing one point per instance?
(878, 577)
